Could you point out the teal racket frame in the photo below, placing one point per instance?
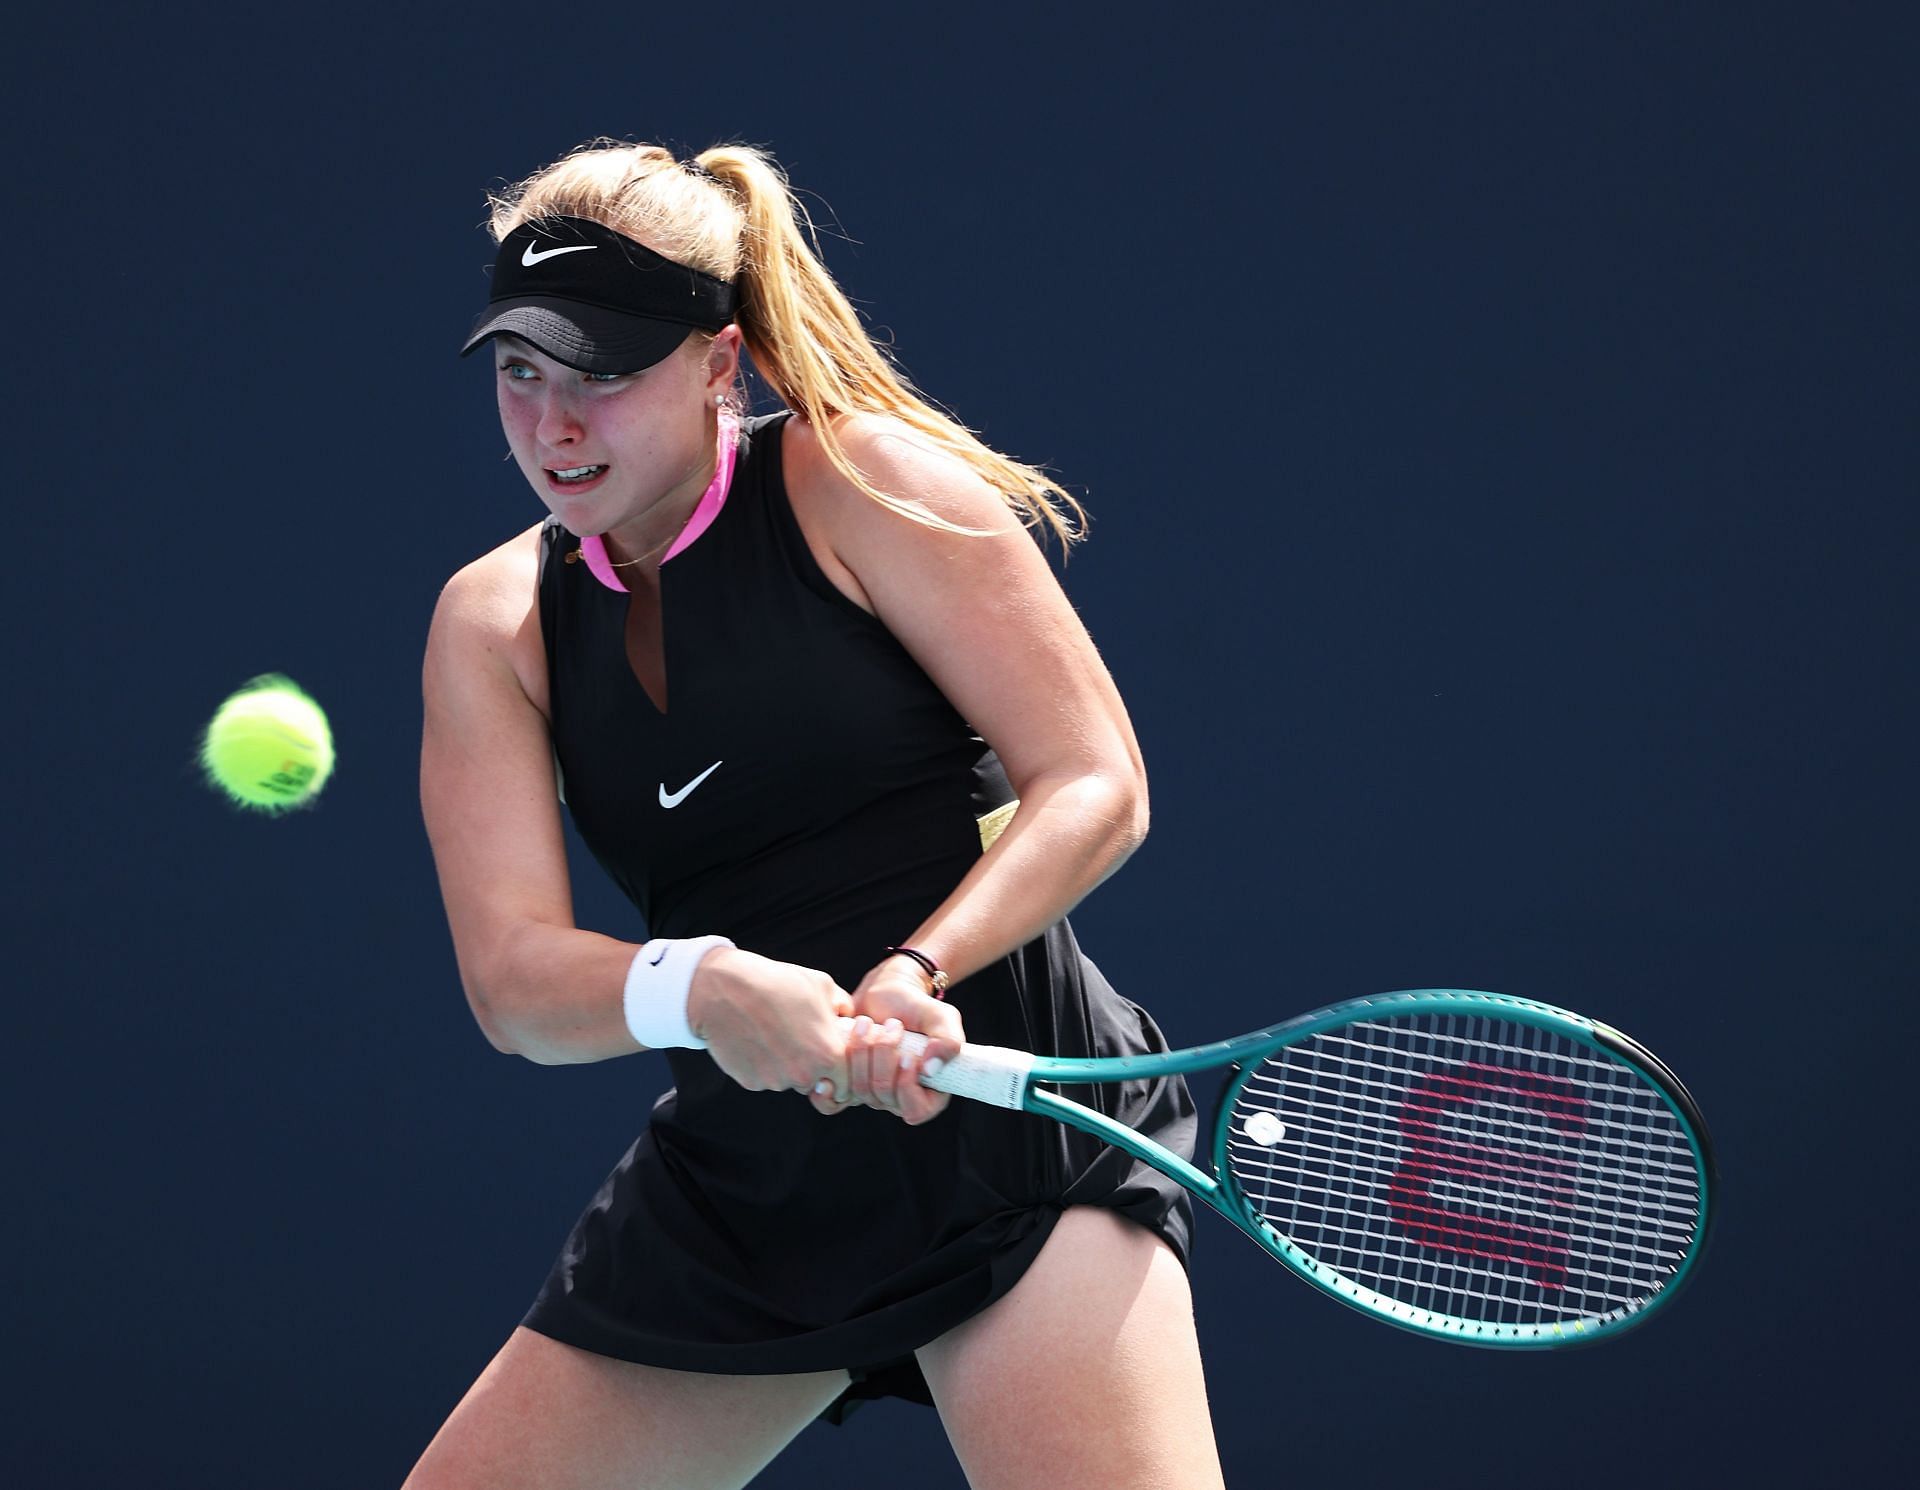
(1242, 1057)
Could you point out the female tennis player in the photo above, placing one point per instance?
(816, 703)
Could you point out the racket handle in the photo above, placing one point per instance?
(992, 1074)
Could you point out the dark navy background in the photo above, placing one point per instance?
(1500, 427)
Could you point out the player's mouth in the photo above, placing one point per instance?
(574, 478)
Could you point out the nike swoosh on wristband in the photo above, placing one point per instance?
(671, 800)
(530, 258)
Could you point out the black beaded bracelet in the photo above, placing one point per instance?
(935, 975)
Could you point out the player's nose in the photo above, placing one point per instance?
(559, 422)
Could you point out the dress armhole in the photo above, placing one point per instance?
(547, 588)
(793, 538)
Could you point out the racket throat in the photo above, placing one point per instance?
(1120, 1136)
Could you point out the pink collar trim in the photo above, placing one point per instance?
(594, 548)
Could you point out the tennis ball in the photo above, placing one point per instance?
(269, 747)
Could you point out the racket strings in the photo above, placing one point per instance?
(1669, 1160)
(1491, 1081)
(1250, 1156)
(1469, 1165)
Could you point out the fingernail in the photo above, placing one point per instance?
(933, 1067)
(822, 1087)
(895, 1026)
(862, 1025)
(906, 1058)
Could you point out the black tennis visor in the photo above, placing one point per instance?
(595, 299)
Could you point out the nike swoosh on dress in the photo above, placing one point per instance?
(671, 800)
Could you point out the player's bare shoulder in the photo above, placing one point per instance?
(852, 535)
(487, 621)
(898, 460)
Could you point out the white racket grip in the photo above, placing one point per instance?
(981, 1073)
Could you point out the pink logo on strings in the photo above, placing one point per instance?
(1444, 1150)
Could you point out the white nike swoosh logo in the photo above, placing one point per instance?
(671, 800)
(530, 258)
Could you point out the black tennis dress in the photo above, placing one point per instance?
(838, 802)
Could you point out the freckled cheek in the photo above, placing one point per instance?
(518, 421)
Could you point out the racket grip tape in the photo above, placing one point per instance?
(981, 1073)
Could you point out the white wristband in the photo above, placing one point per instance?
(657, 985)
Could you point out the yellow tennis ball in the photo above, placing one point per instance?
(269, 747)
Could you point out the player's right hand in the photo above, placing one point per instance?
(771, 1026)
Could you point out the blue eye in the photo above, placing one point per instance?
(516, 372)
(605, 377)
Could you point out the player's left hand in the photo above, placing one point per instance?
(891, 999)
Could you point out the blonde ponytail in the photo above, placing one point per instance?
(733, 215)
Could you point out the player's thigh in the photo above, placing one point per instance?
(1086, 1374)
(545, 1416)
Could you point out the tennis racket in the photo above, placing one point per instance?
(1466, 1165)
